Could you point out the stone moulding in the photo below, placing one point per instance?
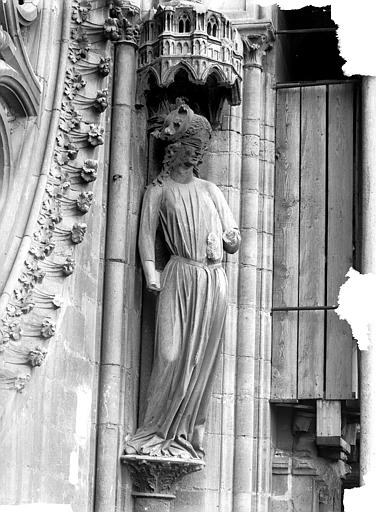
(202, 42)
(20, 93)
(25, 330)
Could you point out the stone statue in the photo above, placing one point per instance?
(197, 225)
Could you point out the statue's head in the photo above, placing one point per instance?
(187, 135)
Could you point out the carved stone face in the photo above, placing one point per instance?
(189, 156)
(185, 156)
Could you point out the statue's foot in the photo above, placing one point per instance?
(129, 450)
(200, 453)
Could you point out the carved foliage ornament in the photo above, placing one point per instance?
(158, 475)
(25, 314)
(256, 45)
(122, 24)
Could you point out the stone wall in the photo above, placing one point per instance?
(302, 480)
(51, 428)
(48, 435)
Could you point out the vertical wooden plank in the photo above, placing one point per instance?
(355, 375)
(328, 419)
(286, 245)
(357, 220)
(312, 242)
(340, 236)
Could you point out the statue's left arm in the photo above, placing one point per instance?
(231, 235)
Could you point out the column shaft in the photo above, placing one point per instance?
(246, 357)
(109, 421)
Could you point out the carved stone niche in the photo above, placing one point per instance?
(182, 42)
(154, 479)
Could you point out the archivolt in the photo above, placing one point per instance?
(4, 156)
(15, 91)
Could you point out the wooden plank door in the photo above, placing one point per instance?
(339, 343)
(312, 353)
(286, 248)
(312, 241)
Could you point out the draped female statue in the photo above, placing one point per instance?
(197, 225)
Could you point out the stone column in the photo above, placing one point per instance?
(110, 428)
(368, 249)
(251, 417)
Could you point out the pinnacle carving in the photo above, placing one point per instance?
(202, 42)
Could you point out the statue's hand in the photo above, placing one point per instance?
(152, 276)
(231, 240)
(154, 283)
(153, 287)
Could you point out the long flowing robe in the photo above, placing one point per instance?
(190, 313)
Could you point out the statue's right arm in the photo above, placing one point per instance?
(146, 239)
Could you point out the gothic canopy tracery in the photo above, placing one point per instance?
(180, 34)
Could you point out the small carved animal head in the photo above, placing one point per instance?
(176, 123)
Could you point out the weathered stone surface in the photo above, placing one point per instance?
(50, 445)
(64, 443)
(187, 348)
(153, 475)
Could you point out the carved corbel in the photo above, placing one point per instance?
(155, 478)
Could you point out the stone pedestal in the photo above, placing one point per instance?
(154, 479)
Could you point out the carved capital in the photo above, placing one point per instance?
(123, 22)
(257, 40)
(157, 476)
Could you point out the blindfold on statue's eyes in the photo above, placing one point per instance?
(196, 144)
